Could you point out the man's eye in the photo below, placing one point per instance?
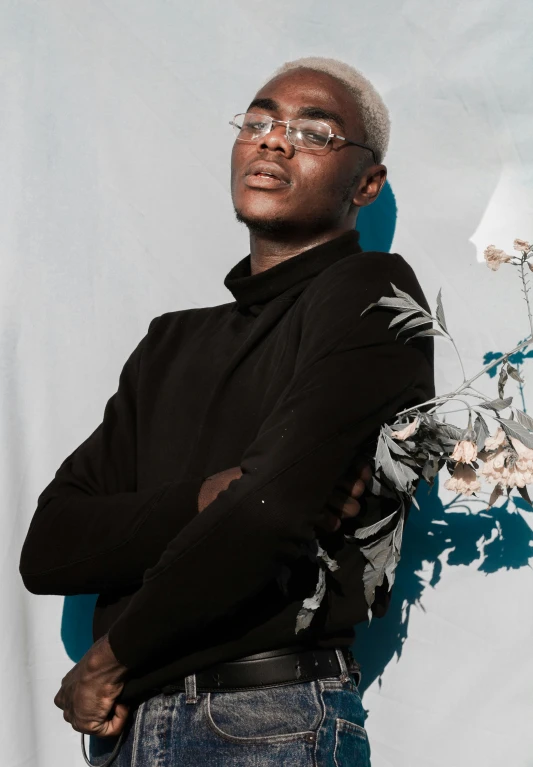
(310, 137)
(255, 126)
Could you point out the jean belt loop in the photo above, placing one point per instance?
(190, 689)
(344, 676)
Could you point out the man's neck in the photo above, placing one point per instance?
(266, 252)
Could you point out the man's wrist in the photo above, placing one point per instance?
(102, 659)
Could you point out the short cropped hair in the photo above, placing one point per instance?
(374, 114)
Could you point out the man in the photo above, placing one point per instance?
(255, 414)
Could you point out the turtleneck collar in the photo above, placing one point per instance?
(252, 289)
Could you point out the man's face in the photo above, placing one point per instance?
(320, 184)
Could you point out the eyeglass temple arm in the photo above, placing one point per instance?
(356, 143)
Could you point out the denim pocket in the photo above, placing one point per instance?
(351, 744)
(268, 714)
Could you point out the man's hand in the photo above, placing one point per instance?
(89, 690)
(342, 503)
(214, 485)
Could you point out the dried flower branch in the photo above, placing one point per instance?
(409, 450)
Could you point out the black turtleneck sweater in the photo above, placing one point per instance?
(288, 382)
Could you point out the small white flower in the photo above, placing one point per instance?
(465, 451)
(463, 480)
(491, 443)
(495, 257)
(522, 245)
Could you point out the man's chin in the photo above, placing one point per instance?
(263, 225)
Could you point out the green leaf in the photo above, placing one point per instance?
(383, 557)
(366, 532)
(330, 563)
(514, 429)
(496, 404)
(432, 332)
(413, 324)
(400, 475)
(403, 316)
(502, 379)
(430, 470)
(448, 430)
(381, 489)
(430, 446)
(397, 537)
(495, 495)
(524, 419)
(393, 446)
(440, 311)
(513, 372)
(481, 431)
(409, 300)
(377, 555)
(389, 303)
(311, 604)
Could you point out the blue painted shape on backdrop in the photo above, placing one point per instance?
(376, 223)
(77, 624)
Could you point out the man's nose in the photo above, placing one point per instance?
(276, 139)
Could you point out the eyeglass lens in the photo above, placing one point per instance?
(309, 134)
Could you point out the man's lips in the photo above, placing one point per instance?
(260, 181)
(266, 175)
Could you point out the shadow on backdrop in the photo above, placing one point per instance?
(454, 534)
(459, 533)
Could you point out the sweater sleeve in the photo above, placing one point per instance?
(352, 376)
(92, 530)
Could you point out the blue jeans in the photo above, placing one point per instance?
(318, 723)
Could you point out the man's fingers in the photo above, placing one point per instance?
(352, 485)
(366, 472)
(347, 505)
(115, 725)
(356, 484)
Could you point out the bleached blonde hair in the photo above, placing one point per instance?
(374, 114)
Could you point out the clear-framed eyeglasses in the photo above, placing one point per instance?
(301, 132)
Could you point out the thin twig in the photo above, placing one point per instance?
(525, 290)
(466, 384)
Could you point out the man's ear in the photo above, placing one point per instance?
(370, 185)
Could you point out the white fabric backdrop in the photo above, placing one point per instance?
(115, 207)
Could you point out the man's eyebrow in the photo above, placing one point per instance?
(269, 104)
(315, 113)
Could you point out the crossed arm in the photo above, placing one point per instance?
(89, 690)
(93, 531)
(85, 538)
(294, 477)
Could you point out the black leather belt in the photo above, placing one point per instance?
(286, 665)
